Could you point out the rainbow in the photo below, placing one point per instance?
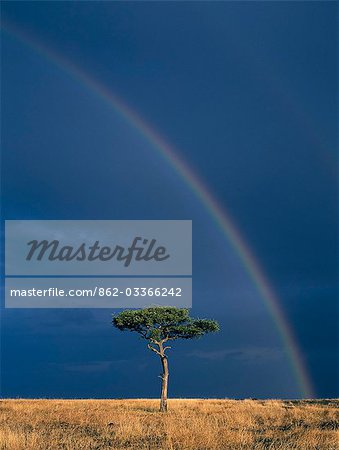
(218, 213)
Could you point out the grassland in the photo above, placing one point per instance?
(189, 425)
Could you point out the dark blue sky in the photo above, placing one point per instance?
(247, 93)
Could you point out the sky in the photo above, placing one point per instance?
(246, 94)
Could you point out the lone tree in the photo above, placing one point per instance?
(158, 325)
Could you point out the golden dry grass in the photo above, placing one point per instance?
(189, 425)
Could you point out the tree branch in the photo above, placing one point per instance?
(154, 349)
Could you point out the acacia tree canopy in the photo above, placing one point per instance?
(164, 323)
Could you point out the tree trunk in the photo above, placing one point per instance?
(164, 384)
